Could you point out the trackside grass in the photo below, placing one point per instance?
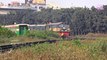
(64, 50)
(30, 36)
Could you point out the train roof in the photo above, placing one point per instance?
(14, 25)
(55, 23)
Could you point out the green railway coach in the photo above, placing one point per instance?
(19, 29)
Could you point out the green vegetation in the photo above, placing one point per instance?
(81, 20)
(4, 32)
(7, 36)
(64, 50)
(42, 34)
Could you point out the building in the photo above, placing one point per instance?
(54, 6)
(43, 2)
(38, 4)
(28, 1)
(34, 5)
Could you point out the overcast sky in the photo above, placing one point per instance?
(70, 3)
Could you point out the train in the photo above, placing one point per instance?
(62, 29)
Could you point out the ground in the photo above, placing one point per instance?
(77, 49)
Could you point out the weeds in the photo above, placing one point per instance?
(76, 42)
(42, 34)
(4, 32)
(64, 50)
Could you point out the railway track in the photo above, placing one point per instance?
(4, 48)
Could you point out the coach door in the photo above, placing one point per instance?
(22, 29)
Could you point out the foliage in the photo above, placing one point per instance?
(4, 32)
(64, 50)
(41, 34)
(76, 42)
(100, 46)
(81, 20)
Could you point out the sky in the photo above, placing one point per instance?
(70, 3)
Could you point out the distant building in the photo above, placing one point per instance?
(15, 3)
(54, 6)
(28, 1)
(38, 4)
(34, 5)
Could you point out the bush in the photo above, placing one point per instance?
(4, 32)
(76, 42)
(100, 46)
(104, 47)
(41, 34)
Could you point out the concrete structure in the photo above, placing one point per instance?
(38, 4)
(35, 5)
(54, 6)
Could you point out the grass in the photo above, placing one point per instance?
(18, 39)
(29, 37)
(64, 50)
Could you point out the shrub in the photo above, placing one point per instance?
(100, 46)
(76, 42)
(51, 34)
(41, 34)
(4, 32)
(98, 50)
(104, 47)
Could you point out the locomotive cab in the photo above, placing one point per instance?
(64, 33)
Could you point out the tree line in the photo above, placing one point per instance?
(81, 20)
